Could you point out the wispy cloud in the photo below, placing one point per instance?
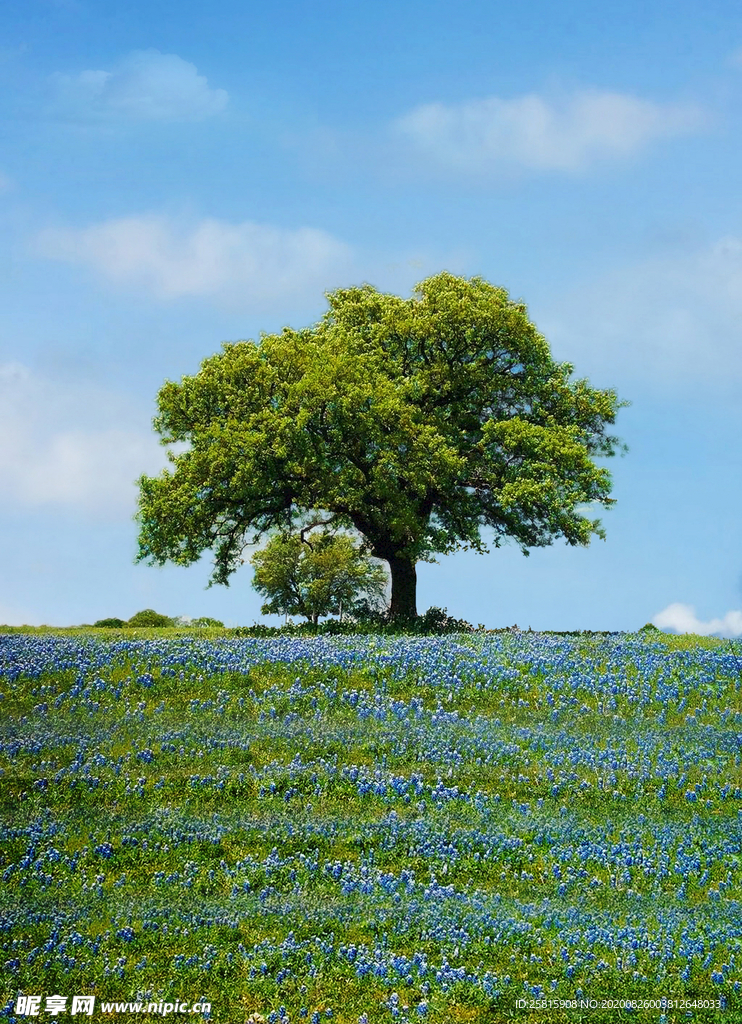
(533, 132)
(255, 265)
(663, 320)
(681, 618)
(246, 266)
(145, 86)
(79, 447)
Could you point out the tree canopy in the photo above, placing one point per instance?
(149, 617)
(317, 574)
(416, 422)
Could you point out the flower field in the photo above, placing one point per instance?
(469, 828)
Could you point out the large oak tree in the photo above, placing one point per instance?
(417, 422)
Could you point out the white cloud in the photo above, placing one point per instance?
(682, 619)
(535, 133)
(666, 319)
(255, 265)
(77, 447)
(145, 86)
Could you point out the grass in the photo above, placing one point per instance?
(410, 829)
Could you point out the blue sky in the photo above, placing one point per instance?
(173, 176)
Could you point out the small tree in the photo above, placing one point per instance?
(316, 574)
(149, 618)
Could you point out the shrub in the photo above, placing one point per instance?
(434, 621)
(437, 620)
(148, 618)
(110, 623)
(206, 621)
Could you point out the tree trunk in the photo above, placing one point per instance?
(404, 588)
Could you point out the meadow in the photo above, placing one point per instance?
(362, 829)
